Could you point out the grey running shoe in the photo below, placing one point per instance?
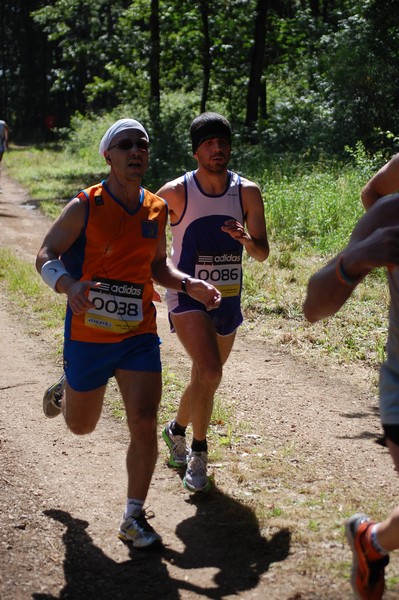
(196, 479)
(137, 531)
(177, 447)
(52, 398)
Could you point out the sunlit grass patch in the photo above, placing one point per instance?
(53, 177)
(28, 291)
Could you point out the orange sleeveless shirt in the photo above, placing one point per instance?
(116, 248)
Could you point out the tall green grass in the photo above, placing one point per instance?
(317, 209)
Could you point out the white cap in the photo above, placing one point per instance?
(120, 125)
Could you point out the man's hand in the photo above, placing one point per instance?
(236, 230)
(204, 292)
(379, 249)
(77, 293)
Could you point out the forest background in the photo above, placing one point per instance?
(300, 76)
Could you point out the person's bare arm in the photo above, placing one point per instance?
(326, 294)
(61, 235)
(385, 181)
(253, 235)
(174, 194)
(165, 274)
(374, 243)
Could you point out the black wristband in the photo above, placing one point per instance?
(184, 284)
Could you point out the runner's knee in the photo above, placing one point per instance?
(81, 425)
(210, 374)
(79, 428)
(142, 423)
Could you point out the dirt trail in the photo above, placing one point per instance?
(61, 496)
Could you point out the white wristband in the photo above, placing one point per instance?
(51, 271)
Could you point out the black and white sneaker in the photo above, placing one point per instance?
(52, 398)
(138, 532)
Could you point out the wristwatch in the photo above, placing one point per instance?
(184, 284)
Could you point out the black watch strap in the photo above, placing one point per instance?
(184, 285)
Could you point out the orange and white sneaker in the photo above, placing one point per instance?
(368, 570)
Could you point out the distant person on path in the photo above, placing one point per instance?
(49, 126)
(4, 135)
(103, 252)
(214, 215)
(384, 182)
(374, 243)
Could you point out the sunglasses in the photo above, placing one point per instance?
(129, 144)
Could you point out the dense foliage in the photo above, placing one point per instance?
(309, 205)
(296, 75)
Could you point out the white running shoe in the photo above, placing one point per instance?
(196, 478)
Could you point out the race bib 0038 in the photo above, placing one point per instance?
(118, 306)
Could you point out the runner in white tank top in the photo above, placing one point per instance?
(214, 214)
(207, 252)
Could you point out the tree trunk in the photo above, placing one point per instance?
(206, 56)
(256, 69)
(154, 60)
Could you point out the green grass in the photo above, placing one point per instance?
(316, 210)
(42, 309)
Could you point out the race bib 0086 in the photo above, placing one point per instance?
(221, 270)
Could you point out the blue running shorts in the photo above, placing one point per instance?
(89, 366)
(224, 323)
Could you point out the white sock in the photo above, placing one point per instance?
(133, 507)
(374, 540)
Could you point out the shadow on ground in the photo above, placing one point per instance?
(223, 535)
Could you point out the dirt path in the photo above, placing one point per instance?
(61, 497)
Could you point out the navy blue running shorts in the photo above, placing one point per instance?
(224, 323)
(89, 366)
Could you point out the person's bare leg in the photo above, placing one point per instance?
(208, 352)
(388, 532)
(141, 393)
(82, 410)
